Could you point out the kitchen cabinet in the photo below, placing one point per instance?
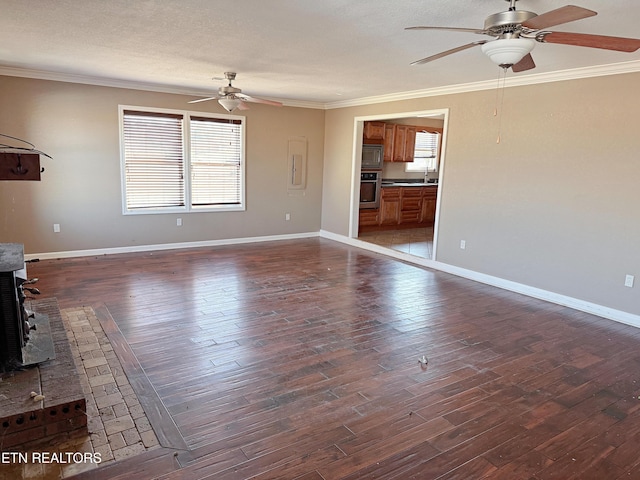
(369, 217)
(410, 143)
(404, 143)
(389, 132)
(373, 132)
(428, 207)
(410, 205)
(399, 141)
(401, 207)
(390, 206)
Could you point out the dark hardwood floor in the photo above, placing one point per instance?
(299, 360)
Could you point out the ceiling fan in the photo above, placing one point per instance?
(231, 97)
(516, 32)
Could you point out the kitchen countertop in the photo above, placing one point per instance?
(408, 184)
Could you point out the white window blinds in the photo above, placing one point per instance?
(179, 161)
(153, 160)
(425, 155)
(216, 159)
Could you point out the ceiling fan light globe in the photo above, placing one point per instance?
(229, 104)
(508, 51)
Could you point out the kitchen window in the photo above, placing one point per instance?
(425, 155)
(179, 161)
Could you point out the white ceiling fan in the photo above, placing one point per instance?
(517, 31)
(231, 97)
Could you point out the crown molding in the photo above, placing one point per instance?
(520, 80)
(93, 80)
(132, 85)
(514, 81)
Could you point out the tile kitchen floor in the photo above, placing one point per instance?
(414, 241)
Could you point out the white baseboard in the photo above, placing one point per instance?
(581, 305)
(167, 246)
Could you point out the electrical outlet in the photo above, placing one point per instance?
(287, 216)
(179, 222)
(463, 244)
(628, 281)
(56, 228)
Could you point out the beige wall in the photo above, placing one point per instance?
(554, 205)
(80, 189)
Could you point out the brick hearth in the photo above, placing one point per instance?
(24, 421)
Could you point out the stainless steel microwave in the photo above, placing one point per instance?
(372, 157)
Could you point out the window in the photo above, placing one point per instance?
(176, 161)
(426, 154)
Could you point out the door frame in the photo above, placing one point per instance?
(358, 127)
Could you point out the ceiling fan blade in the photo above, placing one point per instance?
(248, 98)
(526, 63)
(566, 14)
(619, 44)
(243, 106)
(453, 29)
(448, 52)
(204, 99)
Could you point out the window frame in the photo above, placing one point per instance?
(186, 146)
(426, 169)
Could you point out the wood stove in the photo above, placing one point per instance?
(21, 343)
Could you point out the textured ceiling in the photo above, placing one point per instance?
(322, 51)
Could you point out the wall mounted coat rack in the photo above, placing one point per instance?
(20, 163)
(20, 166)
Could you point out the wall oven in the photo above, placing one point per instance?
(370, 186)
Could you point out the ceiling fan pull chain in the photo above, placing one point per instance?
(495, 108)
(501, 92)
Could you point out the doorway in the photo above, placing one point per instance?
(407, 220)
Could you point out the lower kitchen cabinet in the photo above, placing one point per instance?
(369, 217)
(390, 206)
(401, 207)
(410, 205)
(429, 200)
